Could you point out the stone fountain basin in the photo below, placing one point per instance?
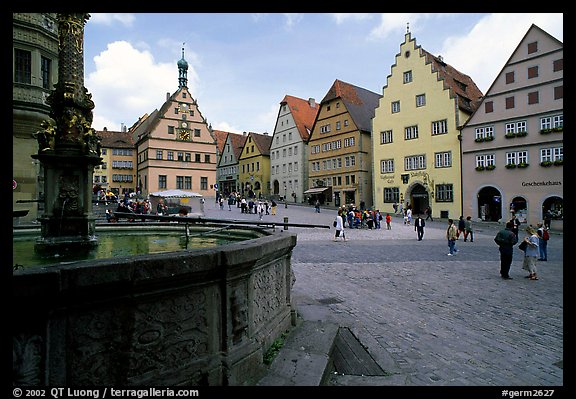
(189, 317)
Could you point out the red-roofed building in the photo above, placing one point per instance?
(117, 172)
(340, 147)
(288, 151)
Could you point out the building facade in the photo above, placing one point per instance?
(289, 148)
(34, 73)
(228, 170)
(512, 146)
(340, 147)
(175, 146)
(117, 172)
(254, 166)
(416, 138)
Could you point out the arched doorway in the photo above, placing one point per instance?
(489, 204)
(419, 199)
(555, 206)
(519, 208)
(276, 188)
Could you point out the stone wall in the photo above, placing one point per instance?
(200, 317)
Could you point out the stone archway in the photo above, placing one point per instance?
(419, 199)
(489, 204)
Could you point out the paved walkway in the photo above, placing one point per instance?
(429, 319)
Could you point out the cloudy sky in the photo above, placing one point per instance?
(241, 65)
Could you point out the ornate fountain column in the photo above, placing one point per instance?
(68, 148)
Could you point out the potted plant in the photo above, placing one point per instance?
(521, 133)
(559, 162)
(558, 129)
(479, 168)
(488, 138)
(479, 139)
(510, 166)
(545, 131)
(510, 135)
(490, 167)
(546, 163)
(523, 165)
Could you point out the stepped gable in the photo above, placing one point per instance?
(469, 95)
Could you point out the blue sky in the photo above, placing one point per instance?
(241, 65)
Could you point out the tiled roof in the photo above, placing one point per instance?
(220, 137)
(112, 139)
(237, 141)
(304, 113)
(263, 142)
(359, 102)
(469, 95)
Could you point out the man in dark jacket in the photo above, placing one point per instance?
(506, 239)
(419, 227)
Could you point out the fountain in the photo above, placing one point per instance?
(68, 149)
(189, 317)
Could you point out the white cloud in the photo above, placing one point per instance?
(112, 18)
(341, 18)
(484, 51)
(129, 83)
(292, 19)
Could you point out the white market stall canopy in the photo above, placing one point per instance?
(176, 194)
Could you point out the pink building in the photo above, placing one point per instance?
(512, 146)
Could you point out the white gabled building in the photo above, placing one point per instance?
(288, 151)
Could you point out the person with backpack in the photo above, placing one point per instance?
(543, 237)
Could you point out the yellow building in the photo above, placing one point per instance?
(117, 172)
(254, 165)
(416, 137)
(340, 158)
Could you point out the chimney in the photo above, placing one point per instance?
(167, 96)
(312, 102)
(243, 133)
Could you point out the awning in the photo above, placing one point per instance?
(316, 190)
(175, 194)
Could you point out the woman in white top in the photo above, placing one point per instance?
(339, 227)
(531, 253)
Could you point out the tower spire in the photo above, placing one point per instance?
(182, 70)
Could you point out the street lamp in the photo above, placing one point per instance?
(285, 198)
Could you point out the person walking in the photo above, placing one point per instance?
(452, 236)
(317, 206)
(339, 225)
(543, 237)
(388, 222)
(429, 214)
(274, 206)
(530, 253)
(419, 224)
(547, 219)
(506, 239)
(516, 224)
(461, 227)
(468, 229)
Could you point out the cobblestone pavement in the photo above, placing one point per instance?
(429, 319)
